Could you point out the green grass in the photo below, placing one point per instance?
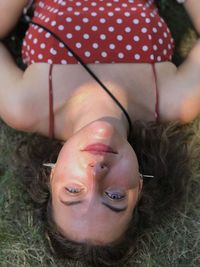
(20, 235)
(175, 243)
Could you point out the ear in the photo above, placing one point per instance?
(140, 185)
(52, 172)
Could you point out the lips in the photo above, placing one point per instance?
(99, 148)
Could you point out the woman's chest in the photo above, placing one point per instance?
(98, 32)
(133, 85)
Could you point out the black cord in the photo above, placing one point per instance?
(91, 73)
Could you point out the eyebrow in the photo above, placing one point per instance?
(115, 209)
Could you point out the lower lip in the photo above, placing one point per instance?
(99, 148)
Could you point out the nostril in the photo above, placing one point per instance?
(98, 166)
(103, 166)
(91, 165)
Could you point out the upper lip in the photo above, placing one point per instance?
(99, 148)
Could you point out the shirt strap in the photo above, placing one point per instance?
(51, 113)
(157, 116)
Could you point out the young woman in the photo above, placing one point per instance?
(124, 75)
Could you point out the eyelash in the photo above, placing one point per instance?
(113, 196)
(117, 196)
(73, 190)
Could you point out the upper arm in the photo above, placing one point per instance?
(22, 94)
(193, 9)
(24, 103)
(10, 12)
(180, 92)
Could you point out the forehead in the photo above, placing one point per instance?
(95, 223)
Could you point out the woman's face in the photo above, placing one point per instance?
(95, 185)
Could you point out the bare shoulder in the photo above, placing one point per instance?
(36, 76)
(167, 91)
(34, 94)
(180, 92)
(164, 70)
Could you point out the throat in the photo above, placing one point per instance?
(100, 109)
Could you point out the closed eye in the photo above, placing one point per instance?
(115, 209)
(112, 208)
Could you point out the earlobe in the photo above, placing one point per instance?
(140, 185)
(52, 172)
(140, 189)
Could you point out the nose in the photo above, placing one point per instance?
(98, 169)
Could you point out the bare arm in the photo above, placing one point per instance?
(10, 91)
(10, 11)
(180, 94)
(193, 9)
(20, 92)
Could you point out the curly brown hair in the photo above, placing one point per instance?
(162, 151)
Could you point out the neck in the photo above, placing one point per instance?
(101, 112)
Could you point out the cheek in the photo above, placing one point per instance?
(68, 169)
(124, 178)
(66, 162)
(133, 198)
(126, 173)
(131, 169)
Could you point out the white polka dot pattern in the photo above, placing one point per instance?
(98, 31)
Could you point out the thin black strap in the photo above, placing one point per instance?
(91, 73)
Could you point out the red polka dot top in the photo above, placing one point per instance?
(98, 31)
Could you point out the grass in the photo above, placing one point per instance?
(175, 243)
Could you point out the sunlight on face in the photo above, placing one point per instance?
(95, 185)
